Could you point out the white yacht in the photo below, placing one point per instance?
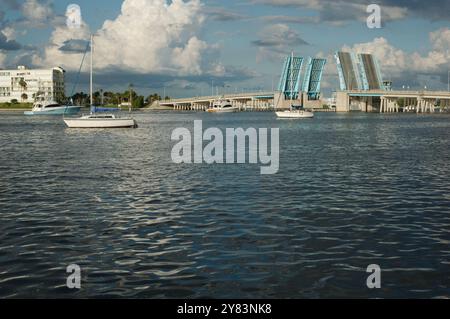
(49, 107)
(223, 106)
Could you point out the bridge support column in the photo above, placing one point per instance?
(388, 106)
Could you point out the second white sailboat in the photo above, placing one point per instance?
(294, 113)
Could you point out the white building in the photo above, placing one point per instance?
(23, 84)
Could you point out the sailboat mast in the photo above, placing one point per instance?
(292, 78)
(131, 100)
(92, 65)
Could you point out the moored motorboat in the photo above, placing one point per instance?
(223, 106)
(50, 107)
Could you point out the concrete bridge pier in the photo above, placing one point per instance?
(432, 104)
(425, 106)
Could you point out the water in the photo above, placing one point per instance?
(353, 190)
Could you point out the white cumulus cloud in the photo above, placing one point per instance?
(37, 13)
(148, 36)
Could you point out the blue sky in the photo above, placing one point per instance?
(239, 45)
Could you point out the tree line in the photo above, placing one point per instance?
(108, 98)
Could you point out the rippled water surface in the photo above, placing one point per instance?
(352, 190)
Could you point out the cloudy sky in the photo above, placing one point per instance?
(185, 45)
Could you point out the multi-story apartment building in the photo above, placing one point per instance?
(24, 85)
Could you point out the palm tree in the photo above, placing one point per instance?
(24, 97)
(131, 96)
(23, 84)
(152, 98)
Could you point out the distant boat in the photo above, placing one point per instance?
(50, 107)
(95, 120)
(223, 106)
(294, 112)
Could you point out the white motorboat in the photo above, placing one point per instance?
(223, 106)
(98, 120)
(101, 121)
(49, 107)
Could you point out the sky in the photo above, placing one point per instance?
(193, 47)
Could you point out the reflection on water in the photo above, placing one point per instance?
(352, 190)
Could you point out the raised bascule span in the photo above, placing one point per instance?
(358, 72)
(313, 77)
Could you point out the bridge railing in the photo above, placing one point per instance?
(216, 97)
(402, 93)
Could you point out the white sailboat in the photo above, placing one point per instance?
(99, 120)
(294, 113)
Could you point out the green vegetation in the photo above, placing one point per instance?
(114, 99)
(110, 99)
(7, 106)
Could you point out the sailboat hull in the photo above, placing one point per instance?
(295, 115)
(100, 123)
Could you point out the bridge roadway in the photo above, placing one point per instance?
(389, 101)
(253, 101)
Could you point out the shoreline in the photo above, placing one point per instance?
(14, 110)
